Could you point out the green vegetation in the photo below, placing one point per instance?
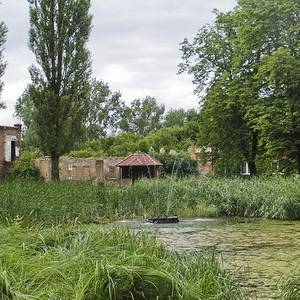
(290, 290)
(277, 198)
(24, 167)
(246, 70)
(93, 262)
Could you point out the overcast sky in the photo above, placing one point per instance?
(134, 45)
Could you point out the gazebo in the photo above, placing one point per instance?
(136, 166)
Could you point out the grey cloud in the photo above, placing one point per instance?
(134, 46)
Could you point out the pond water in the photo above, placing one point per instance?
(262, 251)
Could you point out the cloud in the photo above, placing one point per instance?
(134, 46)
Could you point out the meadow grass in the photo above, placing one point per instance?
(66, 202)
(96, 262)
(290, 289)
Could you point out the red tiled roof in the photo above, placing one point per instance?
(138, 159)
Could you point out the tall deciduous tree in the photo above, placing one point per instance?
(210, 58)
(277, 114)
(24, 110)
(3, 32)
(105, 110)
(143, 116)
(59, 31)
(234, 49)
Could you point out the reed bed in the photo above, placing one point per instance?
(66, 202)
(90, 262)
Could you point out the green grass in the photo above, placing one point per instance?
(290, 289)
(92, 262)
(66, 202)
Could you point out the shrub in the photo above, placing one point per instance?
(24, 166)
(178, 165)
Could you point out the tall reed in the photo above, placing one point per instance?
(277, 198)
(93, 262)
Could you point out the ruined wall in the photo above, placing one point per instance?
(111, 172)
(82, 169)
(9, 137)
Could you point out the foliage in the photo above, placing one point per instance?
(93, 262)
(3, 33)
(59, 31)
(142, 116)
(168, 138)
(175, 117)
(24, 166)
(233, 63)
(278, 113)
(275, 198)
(179, 165)
(24, 110)
(105, 109)
(290, 290)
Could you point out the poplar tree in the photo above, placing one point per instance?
(59, 32)
(3, 32)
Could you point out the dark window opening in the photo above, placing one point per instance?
(126, 173)
(13, 151)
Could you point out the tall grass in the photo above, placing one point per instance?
(290, 290)
(277, 198)
(93, 262)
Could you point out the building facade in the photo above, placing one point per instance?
(10, 141)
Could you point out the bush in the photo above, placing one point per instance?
(178, 165)
(83, 153)
(24, 166)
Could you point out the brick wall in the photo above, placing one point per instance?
(73, 169)
(7, 135)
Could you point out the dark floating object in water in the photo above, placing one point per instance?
(163, 220)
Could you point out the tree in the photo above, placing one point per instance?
(105, 109)
(175, 117)
(143, 116)
(59, 31)
(24, 110)
(224, 129)
(230, 54)
(3, 33)
(278, 111)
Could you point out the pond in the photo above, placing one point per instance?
(263, 251)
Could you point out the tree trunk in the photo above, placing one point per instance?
(55, 167)
(252, 168)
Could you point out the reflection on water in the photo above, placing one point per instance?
(263, 251)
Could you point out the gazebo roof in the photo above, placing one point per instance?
(138, 159)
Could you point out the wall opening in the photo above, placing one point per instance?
(13, 150)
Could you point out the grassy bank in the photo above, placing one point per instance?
(65, 202)
(290, 289)
(90, 262)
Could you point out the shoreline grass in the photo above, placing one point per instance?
(92, 262)
(68, 202)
